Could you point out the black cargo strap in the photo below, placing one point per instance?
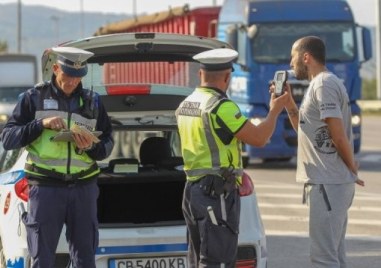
(62, 176)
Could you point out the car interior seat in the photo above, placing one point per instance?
(155, 152)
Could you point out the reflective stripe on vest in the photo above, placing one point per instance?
(57, 162)
(214, 151)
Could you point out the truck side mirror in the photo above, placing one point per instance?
(366, 43)
(231, 35)
(252, 31)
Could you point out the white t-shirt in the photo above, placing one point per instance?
(318, 161)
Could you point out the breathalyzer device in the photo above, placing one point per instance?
(280, 79)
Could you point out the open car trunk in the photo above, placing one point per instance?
(146, 198)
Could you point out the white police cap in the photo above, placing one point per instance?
(73, 61)
(217, 59)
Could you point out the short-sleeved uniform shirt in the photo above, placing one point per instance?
(318, 159)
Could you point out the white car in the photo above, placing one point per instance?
(142, 78)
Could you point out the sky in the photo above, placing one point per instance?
(364, 10)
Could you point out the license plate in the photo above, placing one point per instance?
(157, 262)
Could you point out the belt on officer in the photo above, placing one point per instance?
(216, 184)
(61, 176)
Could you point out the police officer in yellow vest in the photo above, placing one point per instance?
(211, 129)
(61, 174)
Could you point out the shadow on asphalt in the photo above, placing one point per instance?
(293, 252)
(370, 161)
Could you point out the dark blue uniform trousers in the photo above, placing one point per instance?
(51, 207)
(212, 243)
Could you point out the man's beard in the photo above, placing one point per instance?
(302, 73)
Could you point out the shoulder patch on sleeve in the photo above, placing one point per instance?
(238, 115)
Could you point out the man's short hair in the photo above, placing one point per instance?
(314, 46)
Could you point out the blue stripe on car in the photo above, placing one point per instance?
(11, 177)
(142, 249)
(16, 264)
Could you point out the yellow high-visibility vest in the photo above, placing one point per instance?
(200, 116)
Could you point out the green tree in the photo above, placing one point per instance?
(3, 46)
(369, 89)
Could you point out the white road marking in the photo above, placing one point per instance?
(351, 221)
(281, 203)
(304, 207)
(370, 158)
(305, 234)
(358, 197)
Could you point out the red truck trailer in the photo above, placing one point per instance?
(200, 21)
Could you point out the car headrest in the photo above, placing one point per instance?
(153, 150)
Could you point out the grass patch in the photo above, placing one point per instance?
(371, 112)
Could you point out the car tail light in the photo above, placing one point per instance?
(246, 257)
(246, 264)
(129, 89)
(22, 189)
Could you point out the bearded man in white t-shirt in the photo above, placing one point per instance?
(325, 161)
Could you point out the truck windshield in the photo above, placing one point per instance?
(273, 42)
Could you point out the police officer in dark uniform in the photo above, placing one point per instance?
(61, 174)
(211, 129)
